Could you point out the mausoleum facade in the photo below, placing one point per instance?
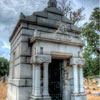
(46, 60)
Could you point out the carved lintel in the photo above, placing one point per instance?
(41, 58)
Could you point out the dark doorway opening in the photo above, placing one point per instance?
(56, 79)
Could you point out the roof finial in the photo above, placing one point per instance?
(52, 3)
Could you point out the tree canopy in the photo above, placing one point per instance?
(91, 35)
(4, 66)
(76, 16)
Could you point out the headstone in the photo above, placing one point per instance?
(99, 81)
(86, 87)
(94, 88)
(96, 93)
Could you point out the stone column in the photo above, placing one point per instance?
(45, 79)
(33, 79)
(76, 62)
(37, 81)
(75, 79)
(81, 80)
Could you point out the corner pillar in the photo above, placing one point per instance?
(78, 92)
(36, 88)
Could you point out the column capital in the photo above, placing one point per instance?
(81, 62)
(46, 63)
(74, 61)
(77, 61)
(41, 58)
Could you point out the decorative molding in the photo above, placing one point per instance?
(63, 27)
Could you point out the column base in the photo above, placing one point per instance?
(40, 98)
(81, 96)
(75, 97)
(7, 99)
(36, 98)
(47, 98)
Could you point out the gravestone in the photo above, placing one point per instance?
(99, 81)
(46, 60)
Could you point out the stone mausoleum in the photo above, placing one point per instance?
(46, 60)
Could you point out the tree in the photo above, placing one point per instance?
(91, 35)
(4, 66)
(75, 16)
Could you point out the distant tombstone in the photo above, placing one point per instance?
(96, 93)
(94, 88)
(99, 81)
(90, 83)
(3, 79)
(86, 87)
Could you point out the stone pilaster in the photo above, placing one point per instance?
(45, 81)
(33, 79)
(75, 95)
(81, 80)
(37, 81)
(36, 88)
(75, 79)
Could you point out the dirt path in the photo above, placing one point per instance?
(3, 91)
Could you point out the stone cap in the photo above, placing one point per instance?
(52, 3)
(77, 61)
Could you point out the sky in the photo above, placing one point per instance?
(11, 9)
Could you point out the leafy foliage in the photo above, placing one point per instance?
(75, 16)
(4, 66)
(92, 48)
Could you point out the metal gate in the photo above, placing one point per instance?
(55, 80)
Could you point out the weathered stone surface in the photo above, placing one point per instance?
(54, 16)
(27, 32)
(21, 82)
(29, 18)
(24, 92)
(54, 10)
(19, 69)
(41, 14)
(47, 22)
(76, 29)
(66, 20)
(52, 3)
(77, 61)
(25, 49)
(40, 58)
